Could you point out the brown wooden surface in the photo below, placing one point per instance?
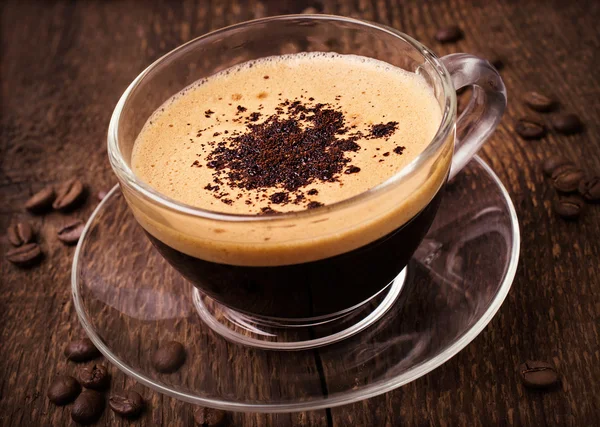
(65, 64)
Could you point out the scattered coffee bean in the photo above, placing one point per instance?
(88, 407)
(69, 195)
(41, 201)
(26, 255)
(95, 377)
(81, 350)
(589, 188)
(20, 234)
(71, 232)
(569, 207)
(169, 357)
(567, 123)
(129, 405)
(449, 34)
(562, 168)
(101, 195)
(209, 417)
(538, 102)
(538, 374)
(529, 128)
(566, 178)
(554, 162)
(64, 389)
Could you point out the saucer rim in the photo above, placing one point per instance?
(340, 398)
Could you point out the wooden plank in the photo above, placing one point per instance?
(64, 66)
(551, 312)
(57, 101)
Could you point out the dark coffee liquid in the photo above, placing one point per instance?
(310, 289)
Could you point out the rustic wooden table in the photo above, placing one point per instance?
(64, 65)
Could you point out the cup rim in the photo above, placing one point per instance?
(126, 175)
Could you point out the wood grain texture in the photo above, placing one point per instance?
(64, 65)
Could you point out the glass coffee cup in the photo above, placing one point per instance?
(314, 266)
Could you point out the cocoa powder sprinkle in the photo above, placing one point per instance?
(352, 169)
(298, 145)
(383, 130)
(399, 150)
(279, 198)
(268, 210)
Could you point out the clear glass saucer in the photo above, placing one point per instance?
(129, 300)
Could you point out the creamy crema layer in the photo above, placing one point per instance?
(289, 134)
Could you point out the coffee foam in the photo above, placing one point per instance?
(362, 88)
(367, 91)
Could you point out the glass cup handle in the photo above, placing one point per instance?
(485, 108)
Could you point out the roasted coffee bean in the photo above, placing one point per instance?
(554, 162)
(71, 232)
(449, 34)
(567, 123)
(169, 357)
(88, 407)
(538, 374)
(127, 405)
(69, 195)
(95, 377)
(566, 178)
(26, 255)
(41, 201)
(81, 350)
(20, 234)
(569, 207)
(529, 128)
(209, 417)
(538, 102)
(562, 169)
(64, 389)
(589, 188)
